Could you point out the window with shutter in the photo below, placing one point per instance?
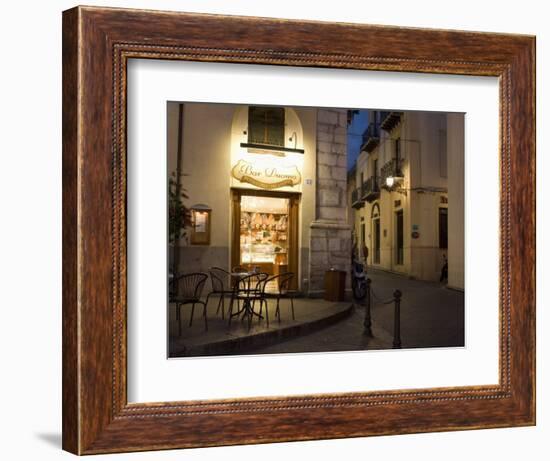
(266, 125)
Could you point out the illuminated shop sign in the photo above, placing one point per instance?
(266, 175)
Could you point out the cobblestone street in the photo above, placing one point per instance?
(431, 316)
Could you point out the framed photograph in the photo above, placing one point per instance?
(279, 230)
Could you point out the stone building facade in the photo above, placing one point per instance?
(409, 195)
(221, 165)
(330, 232)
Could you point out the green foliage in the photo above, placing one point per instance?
(179, 216)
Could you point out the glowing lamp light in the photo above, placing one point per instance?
(391, 181)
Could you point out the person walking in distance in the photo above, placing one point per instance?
(365, 253)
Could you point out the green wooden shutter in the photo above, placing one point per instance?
(266, 125)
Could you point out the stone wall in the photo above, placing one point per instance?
(330, 233)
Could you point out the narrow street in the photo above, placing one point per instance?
(431, 316)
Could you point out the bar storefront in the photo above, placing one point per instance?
(269, 203)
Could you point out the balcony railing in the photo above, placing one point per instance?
(371, 137)
(370, 190)
(383, 115)
(389, 169)
(356, 200)
(389, 120)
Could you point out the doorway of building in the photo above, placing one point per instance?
(376, 240)
(375, 233)
(265, 231)
(399, 237)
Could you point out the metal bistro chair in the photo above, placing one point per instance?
(283, 291)
(221, 285)
(187, 290)
(248, 289)
(241, 270)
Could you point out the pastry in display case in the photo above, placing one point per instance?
(263, 237)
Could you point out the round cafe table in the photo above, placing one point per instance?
(236, 277)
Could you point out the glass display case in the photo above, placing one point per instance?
(264, 237)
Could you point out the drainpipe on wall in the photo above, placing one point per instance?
(176, 249)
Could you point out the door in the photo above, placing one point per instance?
(376, 240)
(399, 236)
(265, 231)
(443, 230)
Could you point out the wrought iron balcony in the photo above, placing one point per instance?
(389, 120)
(371, 137)
(370, 190)
(356, 201)
(383, 115)
(390, 169)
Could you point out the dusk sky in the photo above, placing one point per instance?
(355, 135)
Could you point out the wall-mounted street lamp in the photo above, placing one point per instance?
(396, 177)
(393, 180)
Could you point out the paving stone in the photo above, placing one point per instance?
(431, 316)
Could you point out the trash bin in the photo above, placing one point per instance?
(335, 285)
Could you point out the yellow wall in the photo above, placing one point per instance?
(431, 146)
(455, 148)
(212, 137)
